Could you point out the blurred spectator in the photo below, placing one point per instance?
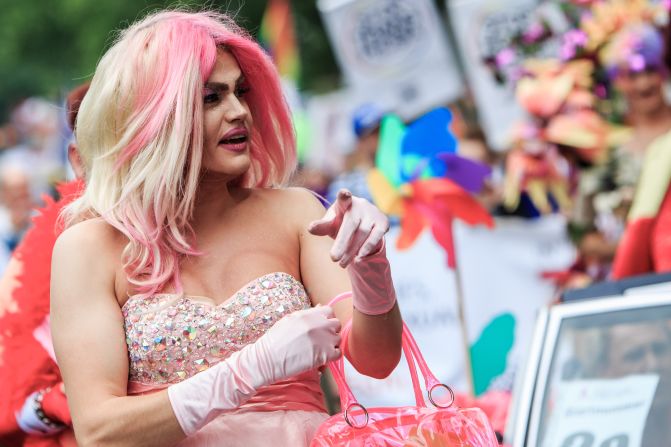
(39, 149)
(474, 146)
(8, 136)
(638, 348)
(640, 75)
(637, 71)
(72, 103)
(313, 179)
(16, 207)
(366, 126)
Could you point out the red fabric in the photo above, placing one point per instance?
(25, 365)
(661, 237)
(634, 253)
(55, 405)
(646, 244)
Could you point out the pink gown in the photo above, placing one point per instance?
(171, 337)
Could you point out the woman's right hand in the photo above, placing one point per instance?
(299, 342)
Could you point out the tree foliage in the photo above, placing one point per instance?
(48, 47)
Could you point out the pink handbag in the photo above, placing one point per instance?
(412, 426)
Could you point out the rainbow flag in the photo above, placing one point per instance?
(278, 37)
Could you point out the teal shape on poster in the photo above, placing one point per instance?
(388, 157)
(489, 354)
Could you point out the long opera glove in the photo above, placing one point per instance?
(299, 342)
(372, 287)
(358, 230)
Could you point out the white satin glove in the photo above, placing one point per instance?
(299, 342)
(358, 230)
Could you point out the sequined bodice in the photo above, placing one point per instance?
(171, 337)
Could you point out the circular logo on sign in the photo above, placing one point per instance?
(386, 33)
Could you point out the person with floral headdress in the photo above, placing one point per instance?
(190, 289)
(635, 64)
(638, 174)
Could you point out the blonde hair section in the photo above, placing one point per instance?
(153, 191)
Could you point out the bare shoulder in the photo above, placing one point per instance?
(92, 232)
(86, 262)
(296, 202)
(92, 239)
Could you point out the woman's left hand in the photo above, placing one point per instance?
(356, 225)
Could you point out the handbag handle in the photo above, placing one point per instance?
(412, 354)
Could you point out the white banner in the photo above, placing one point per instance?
(501, 272)
(393, 53)
(482, 28)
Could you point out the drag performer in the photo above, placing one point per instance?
(634, 61)
(189, 293)
(34, 409)
(637, 61)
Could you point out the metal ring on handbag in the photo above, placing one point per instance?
(430, 393)
(356, 404)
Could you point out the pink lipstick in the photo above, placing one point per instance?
(235, 139)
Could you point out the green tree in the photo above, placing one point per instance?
(48, 47)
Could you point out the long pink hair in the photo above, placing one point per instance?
(140, 134)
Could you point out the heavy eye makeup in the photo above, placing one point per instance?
(215, 91)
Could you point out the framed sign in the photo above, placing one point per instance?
(393, 52)
(598, 375)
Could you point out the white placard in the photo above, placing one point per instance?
(501, 271)
(393, 53)
(606, 412)
(481, 28)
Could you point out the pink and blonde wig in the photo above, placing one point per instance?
(140, 134)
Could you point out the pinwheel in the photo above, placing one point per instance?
(420, 178)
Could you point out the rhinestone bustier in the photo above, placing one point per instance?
(171, 337)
